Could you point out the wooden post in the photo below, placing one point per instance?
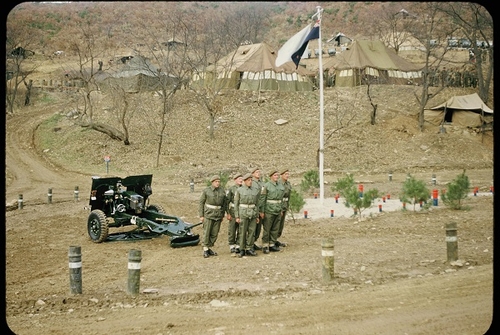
(451, 241)
(75, 270)
(134, 271)
(328, 259)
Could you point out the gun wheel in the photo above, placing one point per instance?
(156, 208)
(97, 226)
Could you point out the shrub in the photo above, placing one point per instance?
(310, 181)
(458, 190)
(346, 187)
(414, 191)
(295, 203)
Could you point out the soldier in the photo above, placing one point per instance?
(212, 207)
(257, 183)
(246, 211)
(232, 229)
(271, 201)
(286, 198)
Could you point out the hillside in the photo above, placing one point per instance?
(246, 136)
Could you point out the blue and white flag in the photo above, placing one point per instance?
(295, 47)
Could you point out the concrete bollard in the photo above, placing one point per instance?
(328, 259)
(451, 241)
(49, 196)
(20, 202)
(134, 271)
(77, 193)
(390, 175)
(433, 179)
(75, 270)
(191, 186)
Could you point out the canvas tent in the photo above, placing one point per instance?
(373, 59)
(340, 39)
(252, 67)
(465, 111)
(134, 74)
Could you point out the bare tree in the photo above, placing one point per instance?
(168, 46)
(391, 23)
(342, 119)
(476, 24)
(19, 64)
(215, 38)
(430, 26)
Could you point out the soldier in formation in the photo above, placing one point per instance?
(246, 205)
(271, 210)
(257, 184)
(211, 209)
(285, 174)
(232, 228)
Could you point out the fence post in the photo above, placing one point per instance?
(20, 202)
(451, 241)
(76, 193)
(75, 269)
(49, 196)
(328, 259)
(134, 271)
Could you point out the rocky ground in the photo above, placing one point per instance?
(392, 275)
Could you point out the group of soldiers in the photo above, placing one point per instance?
(251, 206)
(453, 77)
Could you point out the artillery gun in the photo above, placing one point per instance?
(118, 202)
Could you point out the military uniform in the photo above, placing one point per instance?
(246, 209)
(286, 200)
(212, 207)
(257, 184)
(232, 228)
(271, 201)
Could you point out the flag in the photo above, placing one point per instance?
(294, 48)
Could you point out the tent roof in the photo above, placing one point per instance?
(257, 58)
(465, 102)
(370, 53)
(137, 65)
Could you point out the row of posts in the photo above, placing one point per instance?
(75, 270)
(327, 248)
(135, 258)
(20, 200)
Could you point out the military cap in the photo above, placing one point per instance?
(246, 176)
(253, 170)
(215, 177)
(236, 176)
(284, 171)
(273, 172)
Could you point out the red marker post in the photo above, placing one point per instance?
(435, 197)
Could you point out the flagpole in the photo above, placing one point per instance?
(321, 111)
